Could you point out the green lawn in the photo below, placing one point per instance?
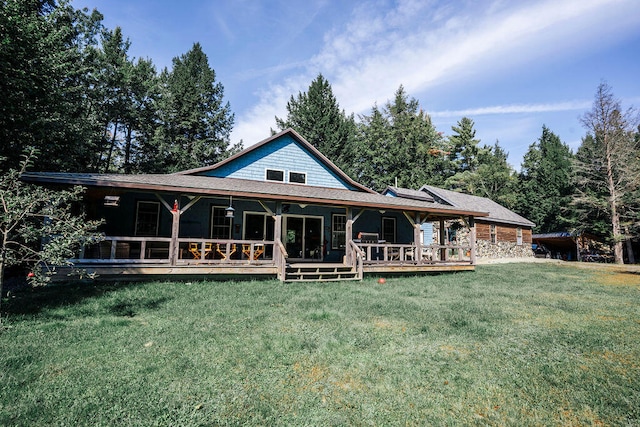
(510, 344)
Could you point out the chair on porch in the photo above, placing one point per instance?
(221, 249)
(258, 249)
(194, 248)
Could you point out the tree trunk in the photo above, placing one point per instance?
(613, 204)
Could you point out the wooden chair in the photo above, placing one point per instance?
(221, 249)
(258, 249)
(194, 248)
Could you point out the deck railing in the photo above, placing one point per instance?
(396, 253)
(156, 250)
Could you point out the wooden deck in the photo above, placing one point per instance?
(124, 258)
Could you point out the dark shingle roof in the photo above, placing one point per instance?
(212, 186)
(497, 212)
(408, 193)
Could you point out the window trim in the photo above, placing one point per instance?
(228, 221)
(136, 230)
(519, 236)
(383, 229)
(493, 233)
(304, 174)
(266, 174)
(334, 241)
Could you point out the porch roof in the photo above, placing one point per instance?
(242, 188)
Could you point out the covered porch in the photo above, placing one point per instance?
(197, 227)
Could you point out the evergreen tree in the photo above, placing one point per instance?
(608, 170)
(316, 115)
(399, 144)
(194, 122)
(494, 178)
(44, 81)
(545, 183)
(463, 147)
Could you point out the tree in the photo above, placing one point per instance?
(463, 147)
(399, 144)
(545, 183)
(494, 178)
(43, 83)
(194, 123)
(608, 167)
(39, 227)
(316, 115)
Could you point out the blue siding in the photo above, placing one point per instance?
(283, 154)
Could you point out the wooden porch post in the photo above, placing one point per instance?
(348, 229)
(417, 234)
(472, 238)
(277, 231)
(174, 247)
(443, 251)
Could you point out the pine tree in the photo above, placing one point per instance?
(463, 147)
(545, 183)
(44, 83)
(194, 122)
(494, 178)
(399, 144)
(608, 170)
(316, 115)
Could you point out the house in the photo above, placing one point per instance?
(278, 208)
(500, 234)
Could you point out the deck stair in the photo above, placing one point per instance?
(306, 272)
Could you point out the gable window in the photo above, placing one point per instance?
(275, 175)
(494, 233)
(519, 236)
(147, 218)
(338, 231)
(220, 224)
(389, 229)
(298, 177)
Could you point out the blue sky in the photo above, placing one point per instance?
(511, 66)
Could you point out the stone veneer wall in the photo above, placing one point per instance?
(501, 249)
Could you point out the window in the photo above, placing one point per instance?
(275, 175)
(519, 236)
(298, 177)
(147, 218)
(220, 224)
(338, 231)
(494, 233)
(389, 229)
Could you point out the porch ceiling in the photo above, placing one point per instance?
(211, 186)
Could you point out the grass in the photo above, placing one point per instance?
(510, 344)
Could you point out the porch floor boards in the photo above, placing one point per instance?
(296, 272)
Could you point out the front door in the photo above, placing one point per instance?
(303, 237)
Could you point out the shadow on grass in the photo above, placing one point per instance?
(34, 301)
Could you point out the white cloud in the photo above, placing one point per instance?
(424, 44)
(515, 109)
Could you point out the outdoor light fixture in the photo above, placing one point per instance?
(230, 211)
(113, 201)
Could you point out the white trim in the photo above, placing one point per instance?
(299, 183)
(266, 170)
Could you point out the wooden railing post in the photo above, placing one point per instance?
(472, 239)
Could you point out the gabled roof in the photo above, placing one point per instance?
(300, 140)
(408, 193)
(497, 212)
(215, 186)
